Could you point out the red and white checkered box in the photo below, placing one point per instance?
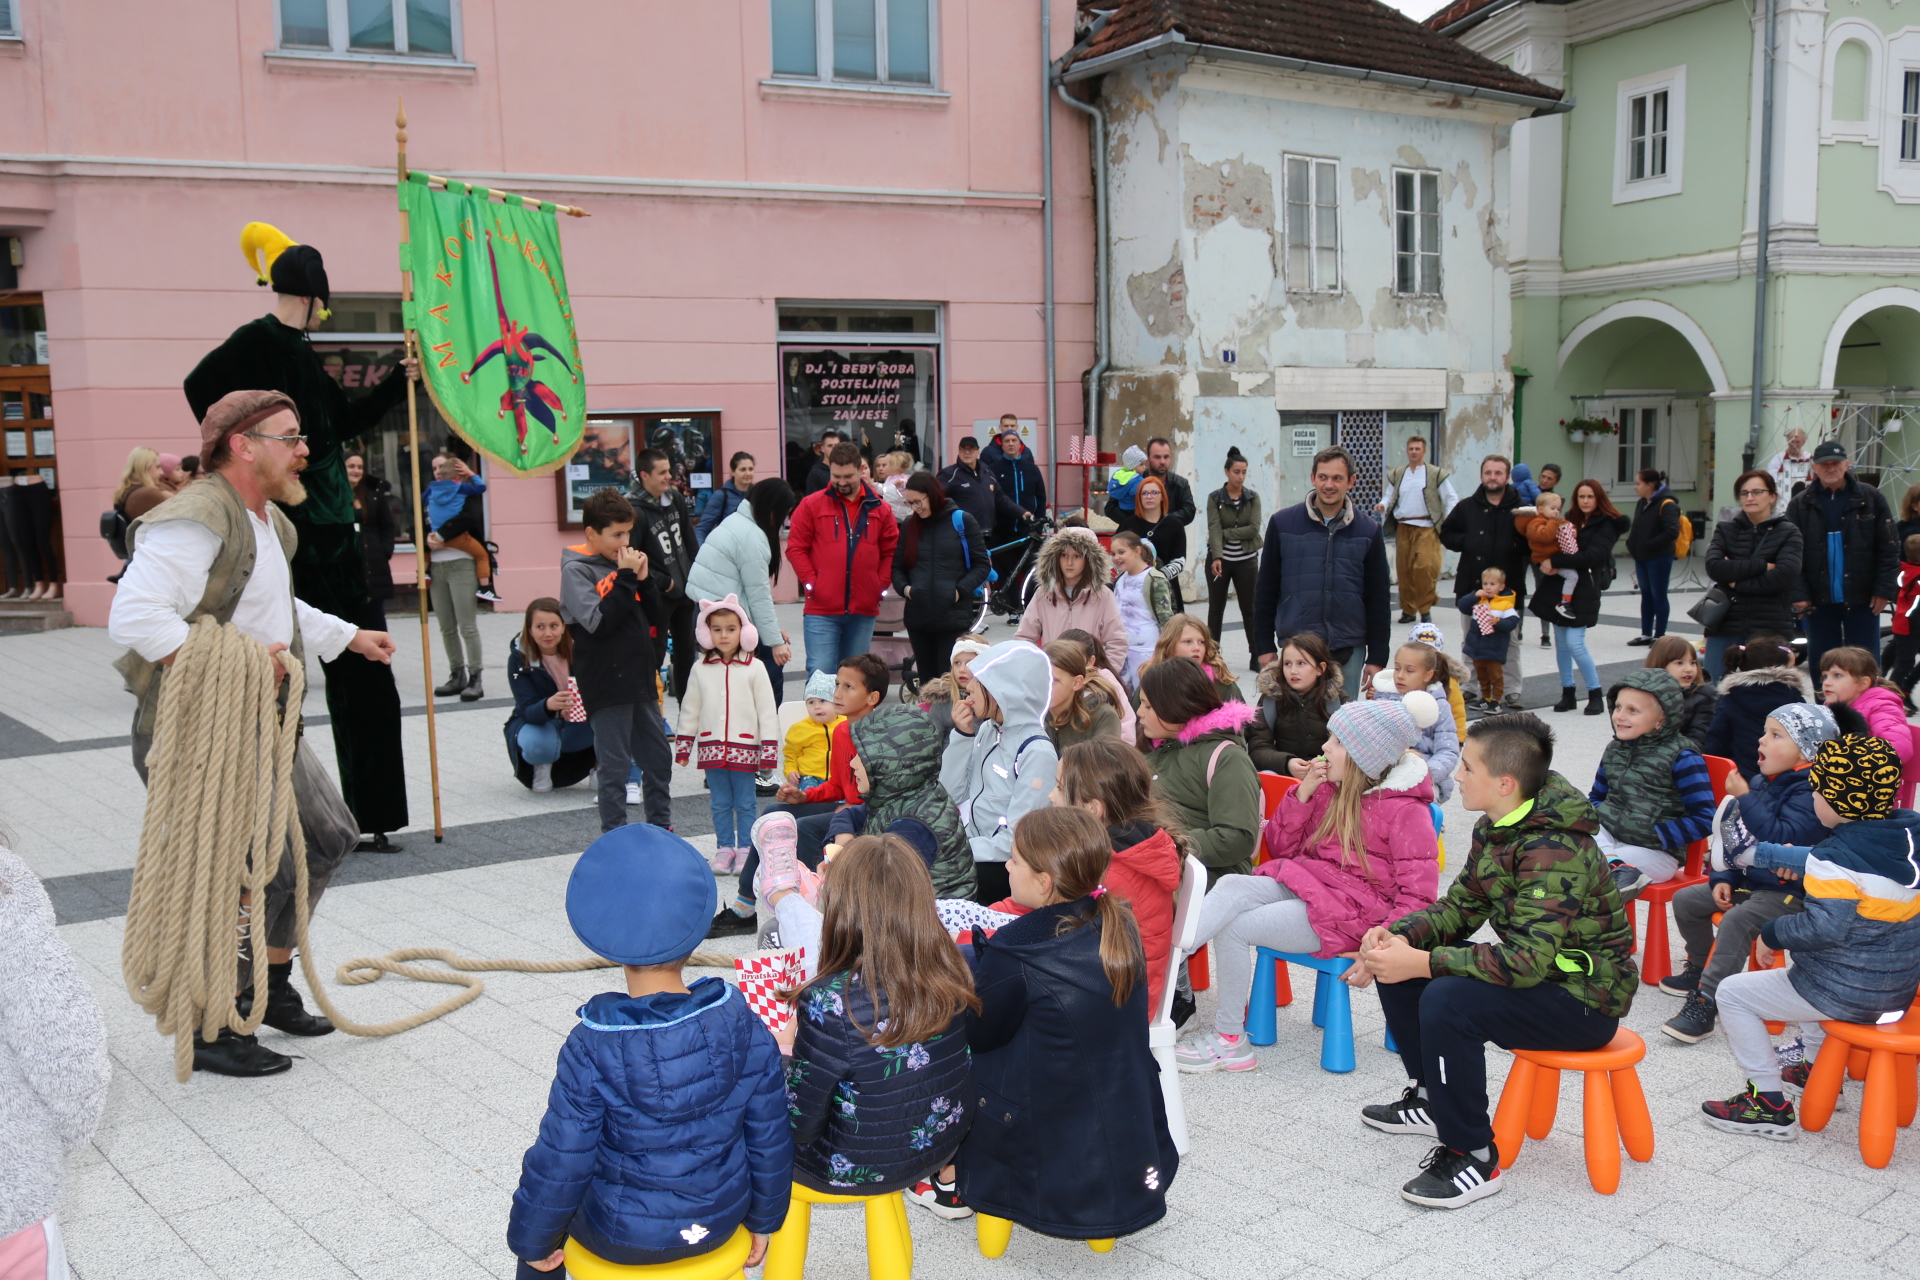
(576, 710)
(1483, 616)
(763, 975)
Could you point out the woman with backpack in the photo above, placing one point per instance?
(939, 565)
(1598, 525)
(1654, 540)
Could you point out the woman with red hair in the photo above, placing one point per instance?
(1598, 524)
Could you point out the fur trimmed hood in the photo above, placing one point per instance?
(1046, 564)
(1793, 677)
(1409, 773)
(1231, 717)
(1271, 684)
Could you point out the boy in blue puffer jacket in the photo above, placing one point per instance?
(1776, 805)
(1856, 946)
(666, 1132)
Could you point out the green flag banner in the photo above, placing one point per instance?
(498, 351)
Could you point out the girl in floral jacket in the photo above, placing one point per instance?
(878, 1085)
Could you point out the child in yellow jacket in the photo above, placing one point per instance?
(810, 741)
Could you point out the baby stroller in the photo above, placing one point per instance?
(890, 643)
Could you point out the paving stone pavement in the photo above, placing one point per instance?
(398, 1157)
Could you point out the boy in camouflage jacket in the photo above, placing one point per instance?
(1561, 975)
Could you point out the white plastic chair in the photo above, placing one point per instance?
(1162, 1035)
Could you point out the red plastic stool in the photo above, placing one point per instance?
(1615, 1108)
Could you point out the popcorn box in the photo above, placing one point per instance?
(762, 975)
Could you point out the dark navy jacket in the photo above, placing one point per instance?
(665, 1132)
(1488, 647)
(1019, 477)
(1747, 698)
(721, 503)
(1330, 580)
(1070, 1138)
(1856, 947)
(869, 1120)
(1778, 810)
(532, 686)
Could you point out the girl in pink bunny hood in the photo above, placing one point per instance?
(1351, 847)
(729, 724)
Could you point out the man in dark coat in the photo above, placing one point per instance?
(1480, 527)
(663, 528)
(818, 477)
(977, 491)
(1850, 562)
(1323, 568)
(274, 354)
(1020, 479)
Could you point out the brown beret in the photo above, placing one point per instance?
(239, 411)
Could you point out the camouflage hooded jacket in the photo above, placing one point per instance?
(1543, 886)
(900, 750)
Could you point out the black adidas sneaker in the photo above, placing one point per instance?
(1450, 1179)
(1408, 1115)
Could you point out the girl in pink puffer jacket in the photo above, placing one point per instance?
(1851, 675)
(1351, 847)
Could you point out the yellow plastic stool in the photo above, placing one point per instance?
(725, 1263)
(994, 1233)
(889, 1242)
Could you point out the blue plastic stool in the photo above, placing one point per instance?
(1332, 1009)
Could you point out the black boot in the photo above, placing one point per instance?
(456, 681)
(1596, 702)
(235, 1055)
(376, 843)
(285, 1011)
(1568, 699)
(473, 692)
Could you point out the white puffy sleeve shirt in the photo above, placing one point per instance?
(168, 576)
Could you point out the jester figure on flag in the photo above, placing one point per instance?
(495, 323)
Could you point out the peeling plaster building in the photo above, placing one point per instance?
(1306, 235)
(1636, 223)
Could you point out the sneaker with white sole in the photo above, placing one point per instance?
(1451, 1179)
(940, 1198)
(722, 861)
(1408, 1115)
(1752, 1114)
(633, 793)
(777, 837)
(1729, 843)
(1628, 879)
(1215, 1052)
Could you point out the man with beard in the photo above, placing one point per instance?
(273, 353)
(221, 548)
(1480, 527)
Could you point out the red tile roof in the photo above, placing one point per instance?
(1455, 12)
(1361, 34)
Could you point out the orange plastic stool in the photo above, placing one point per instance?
(1893, 1082)
(1615, 1108)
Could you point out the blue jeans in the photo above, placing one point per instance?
(832, 638)
(1716, 656)
(1652, 575)
(1831, 625)
(1569, 647)
(735, 806)
(545, 743)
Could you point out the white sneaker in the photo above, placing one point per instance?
(1215, 1052)
(543, 777)
(633, 793)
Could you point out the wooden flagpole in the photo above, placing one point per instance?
(419, 517)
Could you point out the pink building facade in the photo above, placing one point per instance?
(773, 242)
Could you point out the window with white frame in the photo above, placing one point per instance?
(1416, 231)
(1312, 195)
(854, 41)
(1649, 136)
(9, 24)
(1910, 116)
(407, 28)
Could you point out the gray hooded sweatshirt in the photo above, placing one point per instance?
(1003, 771)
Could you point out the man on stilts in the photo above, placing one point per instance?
(273, 353)
(222, 548)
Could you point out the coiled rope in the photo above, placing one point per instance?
(220, 787)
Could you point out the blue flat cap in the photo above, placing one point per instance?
(640, 895)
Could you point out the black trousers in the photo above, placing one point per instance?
(775, 672)
(13, 574)
(1239, 576)
(1899, 657)
(990, 884)
(623, 735)
(932, 652)
(1442, 1026)
(30, 522)
(680, 620)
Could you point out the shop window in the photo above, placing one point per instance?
(1416, 231)
(408, 28)
(1313, 225)
(23, 334)
(610, 443)
(854, 41)
(1649, 133)
(882, 398)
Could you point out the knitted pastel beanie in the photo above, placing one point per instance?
(1807, 724)
(820, 685)
(1376, 733)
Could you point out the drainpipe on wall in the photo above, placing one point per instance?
(1760, 245)
(1046, 240)
(1098, 126)
(1520, 377)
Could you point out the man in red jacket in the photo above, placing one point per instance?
(841, 545)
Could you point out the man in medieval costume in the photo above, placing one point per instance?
(223, 548)
(273, 353)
